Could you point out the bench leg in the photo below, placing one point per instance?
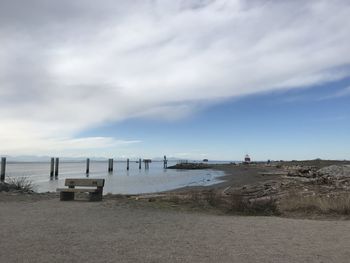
(66, 196)
(95, 196)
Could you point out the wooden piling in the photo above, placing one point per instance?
(56, 167)
(147, 161)
(127, 164)
(110, 165)
(165, 164)
(87, 166)
(3, 169)
(52, 167)
(140, 164)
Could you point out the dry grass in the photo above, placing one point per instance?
(259, 206)
(213, 198)
(238, 203)
(317, 204)
(234, 203)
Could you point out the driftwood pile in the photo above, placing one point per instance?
(335, 175)
(303, 180)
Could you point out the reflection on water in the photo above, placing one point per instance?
(121, 181)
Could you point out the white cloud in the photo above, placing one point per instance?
(68, 66)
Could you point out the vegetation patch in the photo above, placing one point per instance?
(320, 204)
(234, 203)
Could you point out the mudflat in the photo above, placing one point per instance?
(43, 229)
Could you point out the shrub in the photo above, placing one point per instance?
(20, 183)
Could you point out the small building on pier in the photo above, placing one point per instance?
(247, 159)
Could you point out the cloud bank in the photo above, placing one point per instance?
(67, 66)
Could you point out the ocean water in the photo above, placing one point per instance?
(121, 181)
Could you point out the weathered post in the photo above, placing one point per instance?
(56, 167)
(87, 166)
(3, 169)
(140, 164)
(52, 168)
(127, 164)
(110, 165)
(165, 165)
(147, 161)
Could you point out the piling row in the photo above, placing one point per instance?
(54, 166)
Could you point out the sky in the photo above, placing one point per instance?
(190, 79)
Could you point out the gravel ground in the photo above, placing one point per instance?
(47, 230)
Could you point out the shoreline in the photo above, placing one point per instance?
(291, 189)
(256, 189)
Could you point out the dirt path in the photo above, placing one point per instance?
(120, 231)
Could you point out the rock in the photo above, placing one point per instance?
(4, 187)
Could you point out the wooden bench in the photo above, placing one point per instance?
(95, 194)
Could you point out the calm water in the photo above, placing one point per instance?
(121, 181)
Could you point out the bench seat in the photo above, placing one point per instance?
(95, 194)
(76, 190)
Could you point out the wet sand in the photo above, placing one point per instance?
(240, 175)
(43, 229)
(236, 176)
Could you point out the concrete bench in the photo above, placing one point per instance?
(95, 189)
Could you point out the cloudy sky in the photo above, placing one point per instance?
(191, 79)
